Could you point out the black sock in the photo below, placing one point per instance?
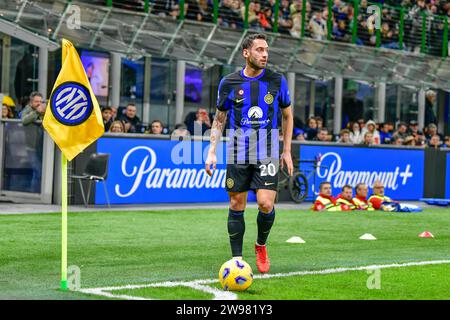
(236, 230)
(265, 222)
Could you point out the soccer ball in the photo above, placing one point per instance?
(235, 275)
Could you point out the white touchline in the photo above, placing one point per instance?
(227, 295)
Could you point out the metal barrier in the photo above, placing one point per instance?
(26, 162)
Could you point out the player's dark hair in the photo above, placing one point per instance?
(106, 108)
(323, 183)
(347, 186)
(359, 185)
(248, 41)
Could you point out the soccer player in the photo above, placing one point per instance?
(256, 98)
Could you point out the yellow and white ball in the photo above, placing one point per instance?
(235, 275)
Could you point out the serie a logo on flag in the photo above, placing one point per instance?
(71, 103)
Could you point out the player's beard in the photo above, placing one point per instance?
(254, 64)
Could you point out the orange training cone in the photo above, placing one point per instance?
(426, 234)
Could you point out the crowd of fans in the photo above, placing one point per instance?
(261, 18)
(371, 133)
(360, 132)
(121, 120)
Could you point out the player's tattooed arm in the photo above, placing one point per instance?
(288, 127)
(217, 127)
(219, 122)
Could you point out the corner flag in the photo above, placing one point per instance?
(73, 120)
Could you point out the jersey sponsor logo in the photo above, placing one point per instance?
(255, 112)
(253, 115)
(239, 100)
(268, 98)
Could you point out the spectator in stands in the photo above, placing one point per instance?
(228, 17)
(180, 131)
(430, 117)
(117, 126)
(284, 18)
(360, 200)
(402, 131)
(414, 131)
(131, 120)
(340, 31)
(346, 197)
(296, 16)
(201, 123)
(266, 19)
(193, 11)
(435, 142)
(371, 127)
(325, 201)
(156, 127)
(205, 10)
(7, 112)
(113, 113)
(432, 131)
(311, 129)
(409, 141)
(397, 141)
(344, 136)
(368, 139)
(322, 135)
(107, 117)
(35, 109)
(318, 26)
(385, 134)
(252, 16)
(9, 102)
(446, 142)
(319, 122)
(356, 136)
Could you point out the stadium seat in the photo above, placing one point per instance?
(96, 170)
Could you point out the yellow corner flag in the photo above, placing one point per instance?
(73, 118)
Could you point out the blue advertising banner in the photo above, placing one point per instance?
(447, 178)
(160, 171)
(401, 170)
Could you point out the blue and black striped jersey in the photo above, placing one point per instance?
(254, 108)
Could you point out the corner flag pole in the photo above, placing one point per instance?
(64, 222)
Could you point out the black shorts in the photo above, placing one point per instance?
(244, 177)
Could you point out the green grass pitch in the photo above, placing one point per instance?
(121, 248)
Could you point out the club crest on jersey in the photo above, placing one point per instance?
(268, 98)
(71, 103)
(241, 92)
(230, 183)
